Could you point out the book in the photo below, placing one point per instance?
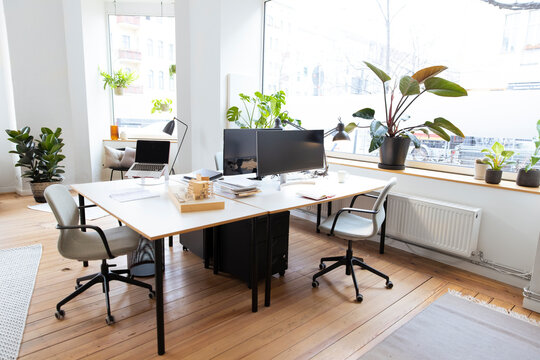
(315, 195)
(211, 174)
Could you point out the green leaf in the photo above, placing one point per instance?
(377, 129)
(497, 148)
(507, 153)
(413, 138)
(409, 86)
(534, 160)
(350, 127)
(233, 114)
(365, 113)
(437, 130)
(443, 123)
(380, 74)
(538, 127)
(443, 87)
(376, 143)
(429, 72)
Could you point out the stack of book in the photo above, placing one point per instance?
(238, 186)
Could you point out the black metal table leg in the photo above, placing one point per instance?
(383, 227)
(329, 209)
(215, 252)
(254, 266)
(268, 280)
(159, 266)
(319, 207)
(170, 241)
(82, 216)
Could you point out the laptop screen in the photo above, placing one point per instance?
(152, 152)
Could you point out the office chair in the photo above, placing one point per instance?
(352, 228)
(74, 243)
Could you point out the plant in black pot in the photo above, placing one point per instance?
(393, 139)
(497, 159)
(39, 157)
(528, 176)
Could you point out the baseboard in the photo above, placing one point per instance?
(7, 189)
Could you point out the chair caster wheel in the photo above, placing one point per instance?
(59, 314)
(109, 320)
(152, 294)
(359, 298)
(315, 283)
(282, 273)
(322, 266)
(389, 284)
(184, 248)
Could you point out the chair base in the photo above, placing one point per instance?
(103, 277)
(348, 261)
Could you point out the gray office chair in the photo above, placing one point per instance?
(351, 227)
(77, 244)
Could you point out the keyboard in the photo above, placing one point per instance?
(142, 170)
(147, 167)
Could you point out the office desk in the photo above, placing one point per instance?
(274, 199)
(158, 217)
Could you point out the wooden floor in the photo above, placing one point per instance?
(208, 316)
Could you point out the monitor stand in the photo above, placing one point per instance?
(283, 181)
(155, 181)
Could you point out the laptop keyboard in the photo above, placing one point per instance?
(147, 167)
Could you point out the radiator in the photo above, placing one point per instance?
(444, 226)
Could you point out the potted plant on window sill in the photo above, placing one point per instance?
(394, 140)
(497, 159)
(118, 80)
(480, 168)
(162, 105)
(40, 157)
(528, 176)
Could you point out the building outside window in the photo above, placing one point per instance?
(160, 48)
(160, 80)
(149, 47)
(150, 79)
(171, 52)
(126, 42)
(314, 51)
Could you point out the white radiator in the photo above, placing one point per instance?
(449, 227)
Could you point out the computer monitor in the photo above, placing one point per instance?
(152, 152)
(240, 151)
(288, 151)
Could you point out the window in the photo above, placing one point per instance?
(171, 52)
(172, 83)
(133, 110)
(314, 51)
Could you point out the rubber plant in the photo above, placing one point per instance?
(260, 111)
(411, 88)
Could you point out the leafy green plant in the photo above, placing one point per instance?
(162, 105)
(498, 157)
(172, 70)
(40, 157)
(535, 157)
(260, 111)
(411, 87)
(118, 79)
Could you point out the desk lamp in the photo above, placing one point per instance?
(168, 129)
(339, 131)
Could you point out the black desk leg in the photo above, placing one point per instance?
(170, 241)
(268, 280)
(82, 215)
(383, 227)
(159, 267)
(215, 252)
(329, 209)
(319, 207)
(254, 266)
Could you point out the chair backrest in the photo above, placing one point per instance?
(218, 158)
(378, 219)
(65, 211)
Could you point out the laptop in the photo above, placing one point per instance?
(151, 159)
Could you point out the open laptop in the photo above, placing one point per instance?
(151, 159)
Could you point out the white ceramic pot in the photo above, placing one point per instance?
(480, 171)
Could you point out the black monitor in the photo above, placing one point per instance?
(288, 151)
(240, 151)
(152, 152)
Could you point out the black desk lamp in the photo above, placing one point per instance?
(169, 129)
(339, 131)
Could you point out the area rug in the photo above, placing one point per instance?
(18, 269)
(456, 328)
(92, 213)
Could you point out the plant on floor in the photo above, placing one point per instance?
(118, 80)
(162, 105)
(260, 111)
(497, 157)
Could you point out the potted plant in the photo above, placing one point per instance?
(172, 70)
(497, 159)
(161, 105)
(528, 176)
(40, 157)
(261, 111)
(480, 168)
(394, 140)
(118, 80)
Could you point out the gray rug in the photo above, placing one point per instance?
(18, 269)
(455, 328)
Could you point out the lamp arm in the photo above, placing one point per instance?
(179, 145)
(297, 127)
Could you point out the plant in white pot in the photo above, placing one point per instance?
(40, 157)
(498, 158)
(480, 168)
(394, 140)
(528, 176)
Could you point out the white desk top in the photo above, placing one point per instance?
(158, 217)
(274, 200)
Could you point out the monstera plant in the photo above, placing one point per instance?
(391, 135)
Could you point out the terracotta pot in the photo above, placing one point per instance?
(39, 188)
(493, 176)
(529, 178)
(393, 152)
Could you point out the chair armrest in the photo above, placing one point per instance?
(93, 227)
(356, 196)
(365, 211)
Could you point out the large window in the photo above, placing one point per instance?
(132, 41)
(314, 51)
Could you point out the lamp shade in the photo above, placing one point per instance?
(341, 134)
(169, 128)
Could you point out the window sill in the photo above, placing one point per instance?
(438, 175)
